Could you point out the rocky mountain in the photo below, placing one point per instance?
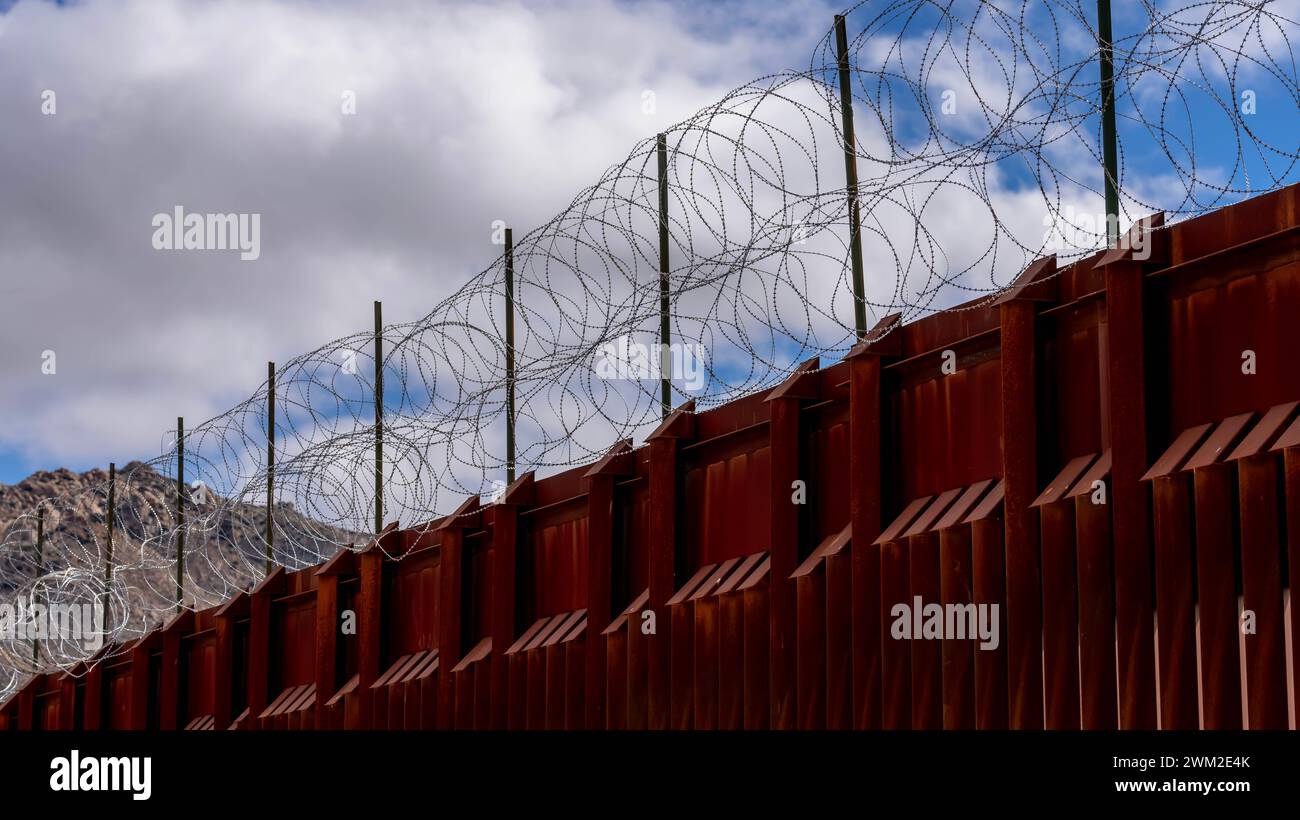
(225, 546)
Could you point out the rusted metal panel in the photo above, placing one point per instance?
(1073, 342)
(638, 666)
(1175, 570)
(326, 673)
(451, 579)
(704, 646)
(556, 565)
(564, 680)
(866, 629)
(757, 705)
(1019, 468)
(822, 628)
(731, 660)
(1091, 361)
(663, 512)
(632, 498)
(866, 512)
(536, 674)
(1261, 481)
(505, 569)
(170, 695)
(625, 668)
(957, 587)
(786, 469)
(574, 682)
(925, 586)
(1060, 616)
(1218, 311)
(1217, 598)
(1291, 471)
(117, 695)
(517, 657)
(600, 574)
(895, 656)
(810, 666)
(616, 683)
(988, 578)
(48, 703)
(294, 639)
(705, 658)
(823, 610)
(939, 453)
(1057, 528)
(911, 670)
(25, 699)
(1175, 601)
(556, 699)
(839, 638)
(257, 657)
(714, 478)
(1130, 513)
(473, 688)
(681, 613)
(905, 519)
(1262, 582)
(827, 469)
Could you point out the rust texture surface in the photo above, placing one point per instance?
(1114, 464)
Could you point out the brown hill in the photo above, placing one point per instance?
(225, 547)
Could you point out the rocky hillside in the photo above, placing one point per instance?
(225, 549)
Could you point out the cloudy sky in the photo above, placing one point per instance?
(378, 142)
(465, 113)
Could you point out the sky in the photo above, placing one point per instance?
(465, 113)
(378, 142)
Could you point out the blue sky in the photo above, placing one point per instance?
(466, 114)
(14, 467)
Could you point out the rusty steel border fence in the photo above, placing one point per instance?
(1108, 458)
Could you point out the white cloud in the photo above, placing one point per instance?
(466, 112)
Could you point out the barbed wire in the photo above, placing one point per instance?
(978, 150)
